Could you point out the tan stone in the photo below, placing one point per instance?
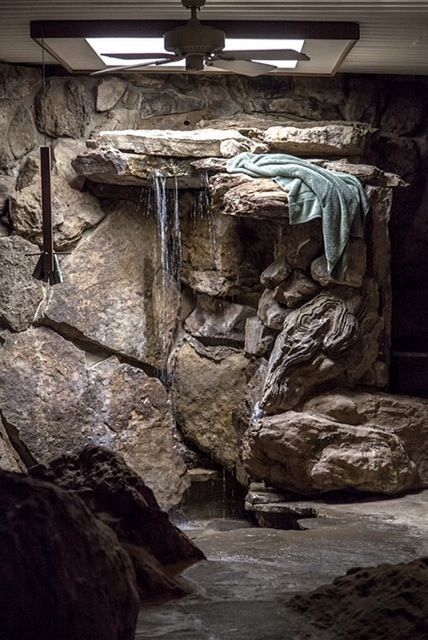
(355, 267)
(57, 403)
(182, 144)
(307, 453)
(128, 311)
(208, 392)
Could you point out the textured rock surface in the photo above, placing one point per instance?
(17, 133)
(336, 139)
(119, 497)
(73, 211)
(58, 404)
(355, 268)
(20, 294)
(197, 143)
(9, 458)
(329, 338)
(65, 108)
(403, 416)
(128, 311)
(306, 453)
(387, 601)
(109, 92)
(239, 195)
(63, 574)
(218, 377)
(215, 321)
(259, 339)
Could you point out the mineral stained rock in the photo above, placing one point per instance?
(306, 453)
(63, 573)
(119, 497)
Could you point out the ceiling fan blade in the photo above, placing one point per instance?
(136, 66)
(266, 54)
(243, 67)
(139, 56)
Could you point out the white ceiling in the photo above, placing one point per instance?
(394, 33)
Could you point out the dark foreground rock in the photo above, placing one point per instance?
(63, 573)
(388, 601)
(119, 497)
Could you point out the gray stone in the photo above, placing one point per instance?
(109, 92)
(332, 337)
(208, 393)
(215, 321)
(166, 102)
(20, 294)
(276, 273)
(22, 133)
(306, 453)
(58, 404)
(259, 339)
(63, 153)
(65, 109)
(197, 143)
(296, 290)
(128, 311)
(18, 82)
(366, 173)
(73, 212)
(365, 100)
(301, 243)
(335, 139)
(355, 269)
(270, 312)
(17, 133)
(6, 188)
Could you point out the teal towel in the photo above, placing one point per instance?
(337, 198)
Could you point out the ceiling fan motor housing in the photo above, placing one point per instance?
(194, 38)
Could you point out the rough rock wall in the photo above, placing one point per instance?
(112, 324)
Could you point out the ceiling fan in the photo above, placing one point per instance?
(202, 46)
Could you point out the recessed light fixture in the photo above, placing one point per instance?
(146, 45)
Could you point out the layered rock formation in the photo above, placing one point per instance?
(189, 300)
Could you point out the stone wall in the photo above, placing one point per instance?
(118, 355)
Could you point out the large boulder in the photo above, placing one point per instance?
(57, 401)
(210, 384)
(129, 310)
(307, 453)
(403, 416)
(17, 132)
(20, 294)
(118, 496)
(63, 573)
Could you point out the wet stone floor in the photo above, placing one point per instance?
(241, 591)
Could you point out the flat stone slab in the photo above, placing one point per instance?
(333, 139)
(199, 143)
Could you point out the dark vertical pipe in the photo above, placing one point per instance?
(47, 225)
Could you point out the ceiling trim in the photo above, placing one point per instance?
(156, 28)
